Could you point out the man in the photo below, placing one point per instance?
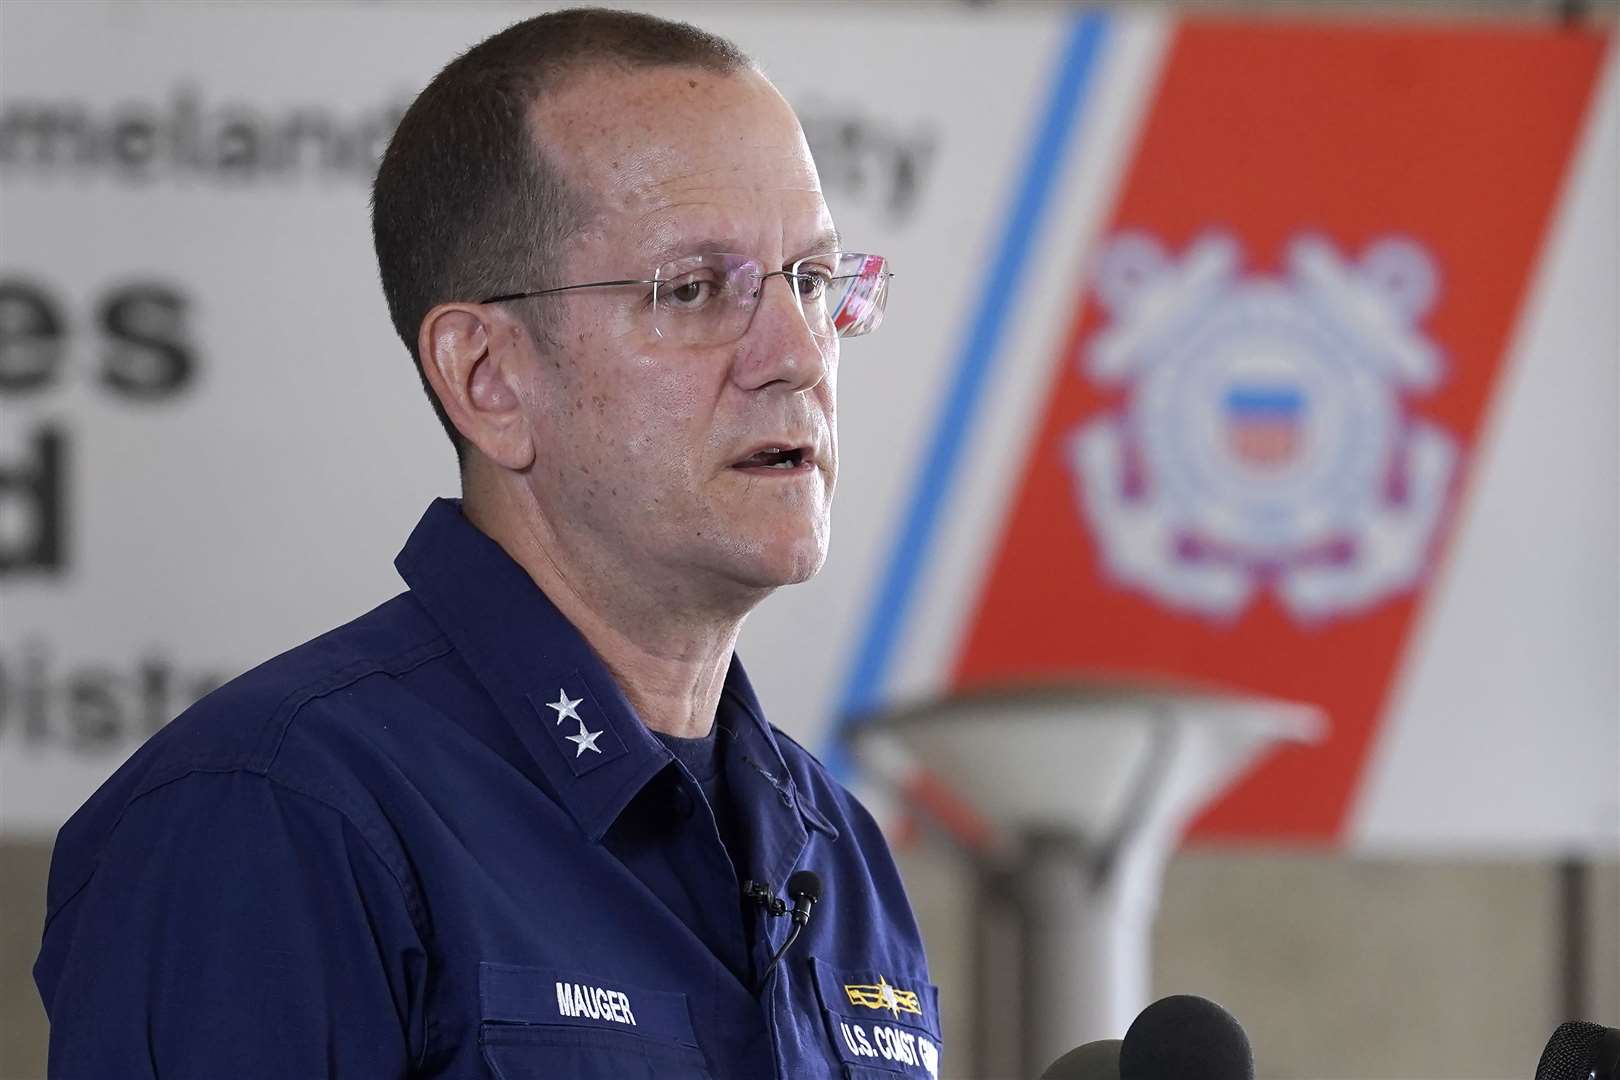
(527, 819)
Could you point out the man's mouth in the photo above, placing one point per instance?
(776, 459)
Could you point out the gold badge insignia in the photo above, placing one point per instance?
(881, 995)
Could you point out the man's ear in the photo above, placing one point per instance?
(476, 365)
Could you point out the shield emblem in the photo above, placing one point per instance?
(1264, 423)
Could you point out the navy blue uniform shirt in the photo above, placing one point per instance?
(438, 842)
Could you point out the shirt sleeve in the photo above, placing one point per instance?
(235, 928)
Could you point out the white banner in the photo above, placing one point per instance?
(212, 444)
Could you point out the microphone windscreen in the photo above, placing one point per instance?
(1185, 1038)
(1094, 1061)
(806, 883)
(1579, 1051)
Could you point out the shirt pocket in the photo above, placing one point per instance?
(881, 1023)
(549, 1024)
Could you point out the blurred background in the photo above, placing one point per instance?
(1225, 587)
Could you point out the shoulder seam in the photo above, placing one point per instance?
(281, 720)
(261, 759)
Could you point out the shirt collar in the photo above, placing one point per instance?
(559, 698)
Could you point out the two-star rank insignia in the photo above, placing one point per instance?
(881, 995)
(571, 711)
(567, 709)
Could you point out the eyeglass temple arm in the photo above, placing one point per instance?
(566, 288)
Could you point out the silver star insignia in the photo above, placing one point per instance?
(564, 707)
(585, 740)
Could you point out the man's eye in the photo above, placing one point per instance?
(688, 292)
(812, 283)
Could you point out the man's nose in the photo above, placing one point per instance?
(779, 346)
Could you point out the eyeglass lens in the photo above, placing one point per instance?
(710, 299)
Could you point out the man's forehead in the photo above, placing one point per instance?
(726, 218)
(665, 150)
(670, 120)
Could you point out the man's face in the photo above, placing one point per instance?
(642, 441)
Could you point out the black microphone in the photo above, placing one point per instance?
(1176, 1038)
(804, 889)
(1581, 1051)
(1185, 1037)
(804, 886)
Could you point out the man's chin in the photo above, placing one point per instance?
(792, 570)
(779, 561)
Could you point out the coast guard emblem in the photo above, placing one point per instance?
(1262, 441)
(881, 995)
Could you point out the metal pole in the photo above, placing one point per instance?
(998, 992)
(1574, 876)
(1085, 960)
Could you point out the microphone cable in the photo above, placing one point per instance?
(805, 889)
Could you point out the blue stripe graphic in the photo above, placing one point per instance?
(974, 363)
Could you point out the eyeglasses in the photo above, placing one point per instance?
(710, 299)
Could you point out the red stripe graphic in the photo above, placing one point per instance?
(1452, 140)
